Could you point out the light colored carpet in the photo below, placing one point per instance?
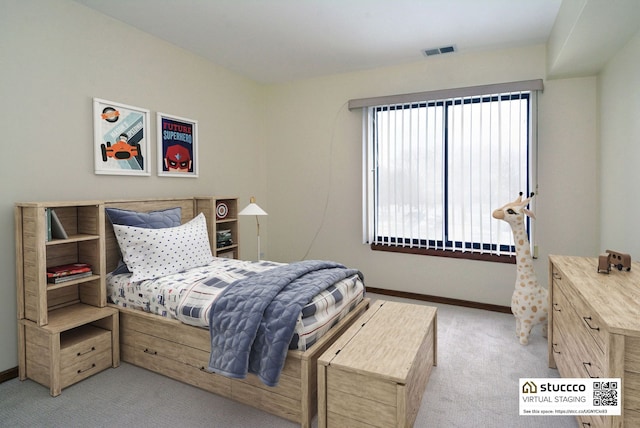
(480, 362)
(475, 384)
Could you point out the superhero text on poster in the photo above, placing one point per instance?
(177, 148)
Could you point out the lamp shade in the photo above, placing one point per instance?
(252, 208)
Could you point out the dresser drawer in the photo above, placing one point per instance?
(587, 317)
(632, 357)
(632, 418)
(596, 421)
(84, 351)
(577, 344)
(562, 353)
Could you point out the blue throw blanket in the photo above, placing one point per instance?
(252, 323)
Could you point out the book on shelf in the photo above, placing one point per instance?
(68, 270)
(61, 279)
(57, 229)
(48, 217)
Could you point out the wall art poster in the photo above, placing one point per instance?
(120, 138)
(177, 146)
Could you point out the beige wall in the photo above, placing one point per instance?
(295, 146)
(314, 171)
(56, 56)
(620, 150)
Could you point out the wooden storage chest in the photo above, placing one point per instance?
(375, 374)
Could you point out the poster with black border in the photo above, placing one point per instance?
(120, 138)
(177, 146)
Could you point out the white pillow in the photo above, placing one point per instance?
(153, 253)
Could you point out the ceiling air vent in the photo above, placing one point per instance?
(438, 51)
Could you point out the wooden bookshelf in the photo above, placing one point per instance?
(49, 315)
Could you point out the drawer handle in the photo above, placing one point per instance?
(587, 369)
(93, 348)
(554, 349)
(147, 351)
(87, 369)
(586, 320)
(556, 275)
(556, 307)
(586, 424)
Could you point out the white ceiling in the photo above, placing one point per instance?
(274, 41)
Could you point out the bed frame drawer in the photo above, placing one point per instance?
(174, 369)
(137, 336)
(155, 346)
(181, 352)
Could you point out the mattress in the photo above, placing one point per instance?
(187, 296)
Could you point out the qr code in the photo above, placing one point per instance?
(605, 393)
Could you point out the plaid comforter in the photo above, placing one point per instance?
(253, 321)
(188, 296)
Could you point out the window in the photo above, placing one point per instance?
(437, 168)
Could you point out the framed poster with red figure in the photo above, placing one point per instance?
(177, 146)
(120, 138)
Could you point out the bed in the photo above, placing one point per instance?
(152, 337)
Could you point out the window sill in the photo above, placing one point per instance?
(445, 253)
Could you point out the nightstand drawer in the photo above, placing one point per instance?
(85, 368)
(83, 342)
(84, 351)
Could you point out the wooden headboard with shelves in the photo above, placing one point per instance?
(190, 208)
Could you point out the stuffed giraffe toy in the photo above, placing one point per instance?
(529, 302)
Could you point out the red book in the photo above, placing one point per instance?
(66, 270)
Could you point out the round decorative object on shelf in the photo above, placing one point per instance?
(221, 210)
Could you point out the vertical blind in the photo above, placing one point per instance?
(436, 168)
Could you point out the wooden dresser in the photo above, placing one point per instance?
(594, 329)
